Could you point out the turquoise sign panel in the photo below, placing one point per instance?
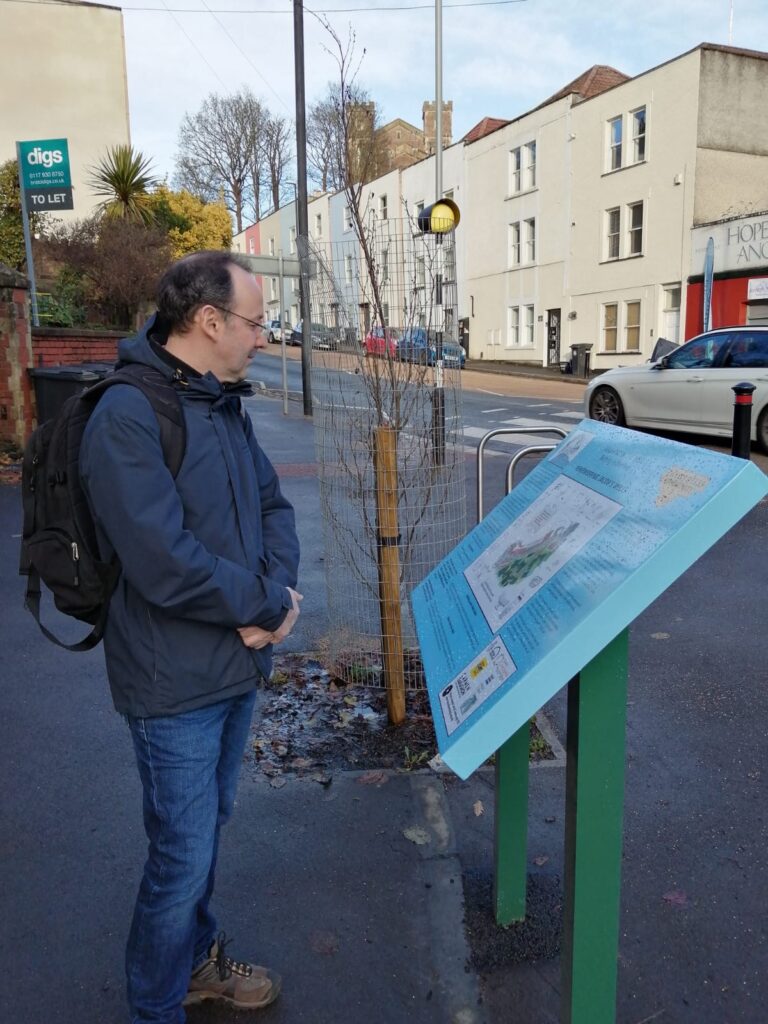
(565, 562)
(45, 174)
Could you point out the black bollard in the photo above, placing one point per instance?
(742, 420)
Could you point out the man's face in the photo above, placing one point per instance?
(239, 338)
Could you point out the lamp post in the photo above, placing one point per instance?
(302, 218)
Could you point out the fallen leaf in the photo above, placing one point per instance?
(301, 762)
(478, 808)
(373, 779)
(324, 778)
(325, 943)
(540, 861)
(417, 835)
(676, 898)
(349, 699)
(278, 782)
(660, 636)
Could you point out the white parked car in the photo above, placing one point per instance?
(689, 389)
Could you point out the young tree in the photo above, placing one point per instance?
(190, 223)
(218, 151)
(123, 178)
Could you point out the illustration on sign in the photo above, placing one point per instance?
(564, 563)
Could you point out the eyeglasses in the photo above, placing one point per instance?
(255, 324)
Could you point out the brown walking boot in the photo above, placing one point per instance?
(238, 984)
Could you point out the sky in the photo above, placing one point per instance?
(499, 59)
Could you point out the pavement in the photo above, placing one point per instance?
(372, 899)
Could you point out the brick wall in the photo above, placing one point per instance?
(16, 408)
(60, 346)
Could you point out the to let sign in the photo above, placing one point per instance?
(45, 176)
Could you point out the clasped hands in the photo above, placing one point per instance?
(256, 637)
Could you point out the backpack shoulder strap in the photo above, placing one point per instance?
(166, 405)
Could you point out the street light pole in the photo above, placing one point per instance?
(302, 226)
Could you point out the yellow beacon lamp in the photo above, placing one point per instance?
(439, 218)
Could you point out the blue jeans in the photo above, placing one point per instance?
(189, 765)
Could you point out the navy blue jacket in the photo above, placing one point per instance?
(212, 550)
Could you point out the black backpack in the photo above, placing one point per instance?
(59, 543)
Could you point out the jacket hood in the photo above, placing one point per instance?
(138, 349)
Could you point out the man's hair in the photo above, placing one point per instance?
(201, 279)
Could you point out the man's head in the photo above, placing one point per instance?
(213, 310)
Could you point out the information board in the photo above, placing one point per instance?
(594, 534)
(45, 175)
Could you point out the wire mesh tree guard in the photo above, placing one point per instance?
(386, 385)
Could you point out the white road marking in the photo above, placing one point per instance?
(485, 412)
(528, 421)
(517, 440)
(495, 394)
(569, 415)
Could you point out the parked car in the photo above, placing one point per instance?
(689, 389)
(381, 341)
(322, 336)
(274, 331)
(419, 345)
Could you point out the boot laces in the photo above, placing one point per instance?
(225, 965)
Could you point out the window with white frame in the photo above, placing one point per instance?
(292, 240)
(318, 225)
(272, 289)
(348, 269)
(638, 135)
(348, 225)
(514, 244)
(632, 326)
(515, 170)
(530, 240)
(610, 326)
(614, 142)
(449, 267)
(294, 314)
(383, 207)
(385, 265)
(251, 245)
(513, 326)
(613, 233)
(635, 211)
(530, 165)
(385, 313)
(421, 272)
(529, 326)
(271, 247)
(419, 207)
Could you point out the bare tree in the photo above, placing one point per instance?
(277, 154)
(217, 151)
(341, 129)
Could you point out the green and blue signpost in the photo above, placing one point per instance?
(46, 185)
(541, 595)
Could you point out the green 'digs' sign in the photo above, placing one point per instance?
(45, 177)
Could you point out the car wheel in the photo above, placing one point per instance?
(605, 406)
(762, 431)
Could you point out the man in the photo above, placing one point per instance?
(209, 566)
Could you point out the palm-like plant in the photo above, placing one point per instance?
(123, 178)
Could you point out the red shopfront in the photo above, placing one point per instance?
(740, 280)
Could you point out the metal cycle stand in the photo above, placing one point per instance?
(595, 750)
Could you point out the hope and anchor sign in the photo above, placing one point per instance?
(45, 176)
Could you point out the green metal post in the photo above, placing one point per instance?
(597, 703)
(511, 826)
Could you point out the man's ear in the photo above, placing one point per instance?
(209, 319)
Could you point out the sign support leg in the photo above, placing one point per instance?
(511, 827)
(597, 703)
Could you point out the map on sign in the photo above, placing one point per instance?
(577, 551)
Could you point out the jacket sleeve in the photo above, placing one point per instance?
(134, 500)
(278, 522)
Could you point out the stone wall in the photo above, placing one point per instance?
(68, 346)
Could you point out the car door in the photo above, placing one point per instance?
(744, 361)
(672, 396)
